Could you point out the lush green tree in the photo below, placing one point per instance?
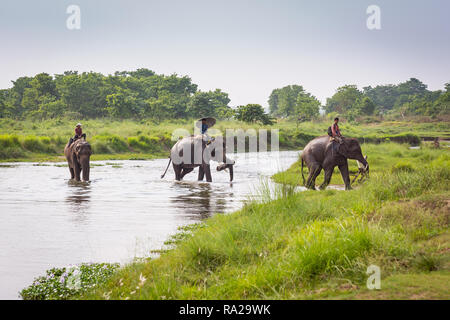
(208, 104)
(351, 102)
(122, 104)
(16, 95)
(287, 99)
(84, 94)
(273, 102)
(30, 99)
(284, 102)
(307, 106)
(412, 87)
(366, 106)
(442, 103)
(409, 97)
(44, 84)
(3, 103)
(252, 113)
(345, 99)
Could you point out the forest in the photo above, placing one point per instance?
(143, 94)
(409, 98)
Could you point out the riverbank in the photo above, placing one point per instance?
(313, 245)
(126, 140)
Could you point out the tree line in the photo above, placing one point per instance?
(123, 95)
(407, 98)
(144, 94)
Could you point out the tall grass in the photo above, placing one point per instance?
(149, 136)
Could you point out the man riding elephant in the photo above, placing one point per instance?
(78, 134)
(191, 152)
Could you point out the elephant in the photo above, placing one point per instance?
(320, 154)
(191, 152)
(78, 156)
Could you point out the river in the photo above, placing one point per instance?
(126, 210)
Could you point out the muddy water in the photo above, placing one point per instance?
(124, 212)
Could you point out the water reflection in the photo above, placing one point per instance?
(78, 198)
(200, 200)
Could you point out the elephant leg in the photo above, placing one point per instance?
(208, 173)
(76, 168)
(177, 170)
(201, 173)
(326, 181)
(313, 173)
(185, 171)
(343, 168)
(72, 173)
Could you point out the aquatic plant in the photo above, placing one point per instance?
(68, 282)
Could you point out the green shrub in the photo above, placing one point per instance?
(118, 144)
(7, 141)
(12, 153)
(64, 283)
(109, 144)
(31, 143)
(100, 147)
(402, 166)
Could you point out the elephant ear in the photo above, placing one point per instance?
(343, 149)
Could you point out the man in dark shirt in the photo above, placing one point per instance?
(336, 133)
(78, 131)
(78, 134)
(204, 126)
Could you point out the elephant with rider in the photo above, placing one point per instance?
(78, 155)
(193, 151)
(324, 153)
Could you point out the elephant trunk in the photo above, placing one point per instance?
(363, 164)
(86, 174)
(228, 166)
(85, 168)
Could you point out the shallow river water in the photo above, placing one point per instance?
(126, 210)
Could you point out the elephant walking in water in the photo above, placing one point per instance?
(319, 154)
(191, 152)
(78, 156)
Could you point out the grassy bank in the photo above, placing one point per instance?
(45, 141)
(307, 245)
(390, 157)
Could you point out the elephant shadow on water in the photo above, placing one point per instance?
(199, 199)
(79, 196)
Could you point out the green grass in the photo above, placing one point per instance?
(311, 244)
(45, 140)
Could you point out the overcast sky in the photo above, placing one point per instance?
(245, 47)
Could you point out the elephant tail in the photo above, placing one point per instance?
(303, 177)
(170, 160)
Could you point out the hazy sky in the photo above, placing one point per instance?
(245, 47)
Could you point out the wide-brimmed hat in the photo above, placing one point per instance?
(78, 124)
(209, 122)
